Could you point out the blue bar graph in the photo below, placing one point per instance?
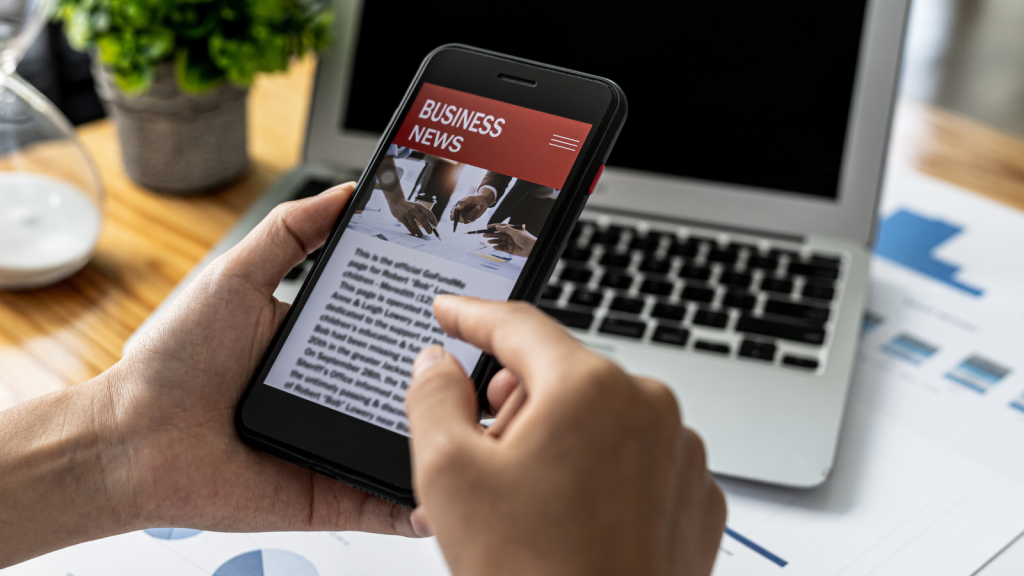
(978, 374)
(909, 349)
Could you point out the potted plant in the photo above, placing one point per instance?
(175, 73)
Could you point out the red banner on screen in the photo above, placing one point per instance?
(512, 140)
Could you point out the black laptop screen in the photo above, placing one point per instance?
(739, 91)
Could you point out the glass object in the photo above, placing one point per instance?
(51, 197)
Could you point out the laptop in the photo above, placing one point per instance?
(725, 250)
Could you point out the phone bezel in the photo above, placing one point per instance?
(367, 456)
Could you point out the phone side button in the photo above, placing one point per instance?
(596, 178)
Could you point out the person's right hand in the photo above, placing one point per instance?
(413, 216)
(507, 238)
(594, 475)
(472, 207)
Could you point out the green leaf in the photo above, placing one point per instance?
(156, 44)
(134, 82)
(109, 48)
(194, 76)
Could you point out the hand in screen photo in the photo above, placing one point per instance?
(414, 216)
(472, 207)
(507, 238)
(594, 474)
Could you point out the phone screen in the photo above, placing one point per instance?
(488, 173)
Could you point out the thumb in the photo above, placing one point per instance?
(284, 238)
(441, 406)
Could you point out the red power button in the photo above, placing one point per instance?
(596, 178)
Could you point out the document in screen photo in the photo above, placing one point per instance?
(456, 207)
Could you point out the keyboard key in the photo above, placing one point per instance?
(577, 253)
(296, 273)
(711, 319)
(735, 279)
(797, 310)
(757, 350)
(616, 260)
(723, 256)
(648, 243)
(655, 265)
(616, 280)
(708, 346)
(825, 261)
(819, 291)
(812, 270)
(762, 263)
(626, 328)
(687, 249)
(737, 246)
(800, 362)
(669, 312)
(695, 272)
(630, 305)
(581, 225)
(739, 299)
(586, 298)
(656, 287)
(670, 335)
(551, 292)
(607, 238)
(776, 285)
(698, 294)
(570, 318)
(579, 275)
(775, 252)
(783, 330)
(312, 187)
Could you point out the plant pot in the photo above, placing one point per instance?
(176, 142)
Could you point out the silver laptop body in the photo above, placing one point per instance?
(746, 301)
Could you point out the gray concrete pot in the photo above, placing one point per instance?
(175, 142)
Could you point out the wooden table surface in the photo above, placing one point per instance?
(65, 334)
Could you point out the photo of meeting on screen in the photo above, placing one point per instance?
(466, 214)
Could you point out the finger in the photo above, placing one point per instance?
(427, 214)
(410, 225)
(508, 412)
(501, 386)
(423, 222)
(441, 406)
(285, 237)
(421, 522)
(520, 336)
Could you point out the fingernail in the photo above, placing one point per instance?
(428, 357)
(421, 524)
(334, 189)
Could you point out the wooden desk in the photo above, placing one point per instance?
(70, 332)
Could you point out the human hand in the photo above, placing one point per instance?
(174, 397)
(595, 474)
(413, 216)
(472, 207)
(506, 238)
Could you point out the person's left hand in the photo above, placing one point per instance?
(506, 238)
(173, 399)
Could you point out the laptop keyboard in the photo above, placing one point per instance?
(679, 288)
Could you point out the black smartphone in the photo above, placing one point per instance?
(502, 153)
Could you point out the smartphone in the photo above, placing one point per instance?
(501, 153)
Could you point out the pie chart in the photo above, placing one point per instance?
(171, 533)
(267, 563)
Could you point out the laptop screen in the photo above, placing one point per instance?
(739, 91)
